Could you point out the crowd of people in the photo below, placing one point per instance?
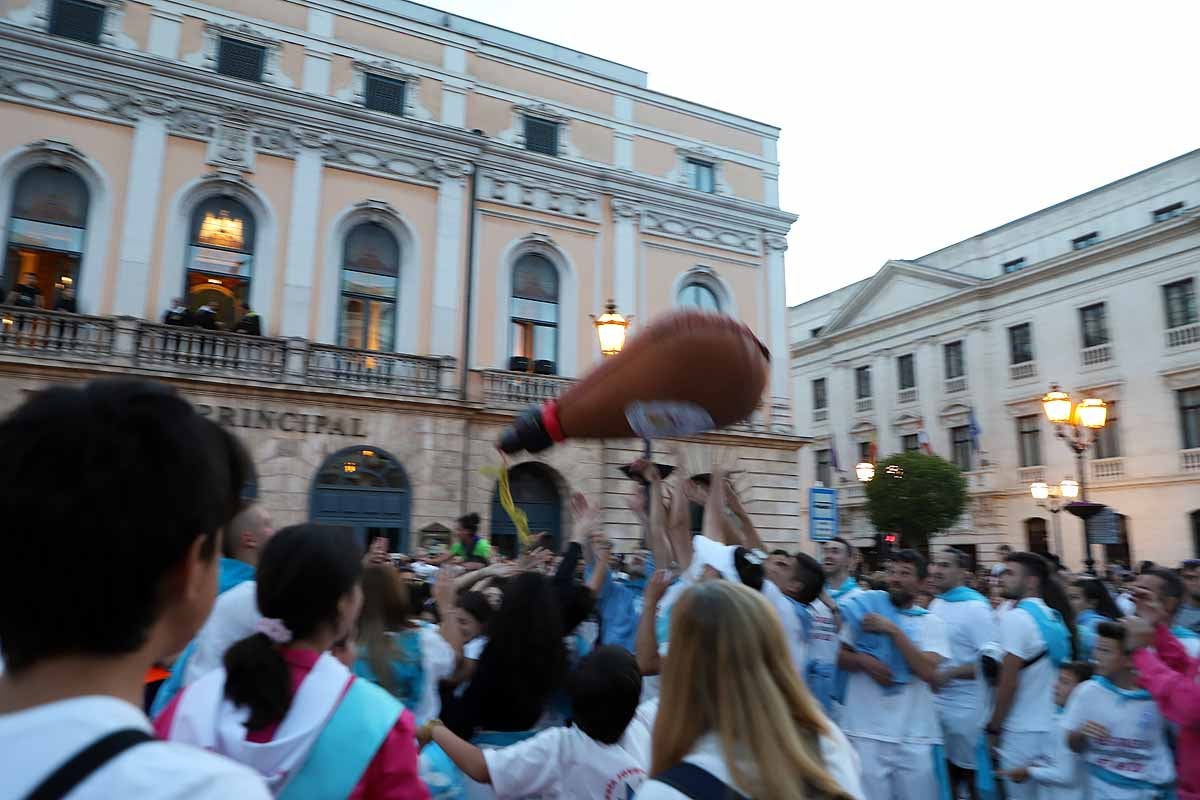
(162, 640)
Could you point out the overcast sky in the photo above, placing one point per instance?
(908, 126)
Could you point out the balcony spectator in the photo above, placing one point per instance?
(250, 323)
(27, 294)
(178, 314)
(205, 318)
(65, 302)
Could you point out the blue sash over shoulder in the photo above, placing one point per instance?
(1053, 629)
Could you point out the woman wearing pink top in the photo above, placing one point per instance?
(1173, 679)
(283, 705)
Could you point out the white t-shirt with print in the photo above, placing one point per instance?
(1033, 707)
(969, 626)
(905, 714)
(37, 741)
(1136, 746)
(823, 642)
(840, 759)
(566, 763)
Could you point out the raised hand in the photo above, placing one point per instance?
(658, 586)
(1094, 730)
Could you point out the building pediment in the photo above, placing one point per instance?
(907, 422)
(898, 286)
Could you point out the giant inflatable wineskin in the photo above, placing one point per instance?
(685, 359)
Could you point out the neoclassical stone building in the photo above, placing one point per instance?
(423, 211)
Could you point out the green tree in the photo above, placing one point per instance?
(915, 495)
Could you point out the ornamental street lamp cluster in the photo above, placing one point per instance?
(1050, 498)
(1075, 424)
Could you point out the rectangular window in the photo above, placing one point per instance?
(862, 383)
(239, 59)
(818, 393)
(960, 447)
(1108, 443)
(1029, 440)
(865, 456)
(1020, 343)
(952, 355)
(910, 443)
(1189, 416)
(1087, 240)
(78, 20)
(1180, 299)
(825, 467)
(1166, 212)
(1013, 266)
(384, 94)
(1094, 321)
(541, 136)
(701, 176)
(907, 371)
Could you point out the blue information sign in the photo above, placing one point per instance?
(822, 514)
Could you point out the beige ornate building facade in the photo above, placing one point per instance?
(422, 210)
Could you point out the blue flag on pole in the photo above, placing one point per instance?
(974, 429)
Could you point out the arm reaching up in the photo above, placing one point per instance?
(648, 659)
(679, 524)
(749, 533)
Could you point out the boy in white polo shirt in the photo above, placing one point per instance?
(1118, 727)
(114, 497)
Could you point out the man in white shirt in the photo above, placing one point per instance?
(137, 510)
(961, 697)
(1023, 716)
(894, 727)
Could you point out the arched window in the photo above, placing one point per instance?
(696, 294)
(370, 284)
(533, 309)
(220, 261)
(45, 236)
(1035, 536)
(366, 490)
(534, 491)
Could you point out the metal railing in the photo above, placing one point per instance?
(55, 334)
(1022, 372)
(1191, 460)
(958, 384)
(820, 414)
(1184, 335)
(1031, 474)
(907, 396)
(1107, 469)
(1095, 356)
(215, 353)
(328, 365)
(518, 390)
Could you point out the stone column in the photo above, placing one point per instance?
(626, 216)
(445, 322)
(139, 222)
(883, 388)
(300, 267)
(776, 333)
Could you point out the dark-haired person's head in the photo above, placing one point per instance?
(1109, 651)
(1166, 585)
(1024, 575)
(749, 567)
(468, 527)
(950, 569)
(1070, 675)
(605, 690)
(115, 493)
(1090, 594)
(473, 612)
(309, 579)
(837, 556)
(808, 578)
(779, 568)
(906, 573)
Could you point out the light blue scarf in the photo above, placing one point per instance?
(962, 594)
(1053, 630)
(1124, 694)
(848, 586)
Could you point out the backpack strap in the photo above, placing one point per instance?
(79, 767)
(697, 783)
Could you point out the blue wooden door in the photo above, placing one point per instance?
(534, 492)
(365, 490)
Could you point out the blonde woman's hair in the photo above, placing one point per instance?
(729, 671)
(386, 608)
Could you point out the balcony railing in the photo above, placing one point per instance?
(907, 396)
(55, 334)
(1191, 460)
(863, 405)
(853, 492)
(193, 350)
(389, 372)
(1183, 336)
(518, 390)
(820, 414)
(1024, 371)
(1031, 474)
(958, 384)
(1108, 469)
(1096, 356)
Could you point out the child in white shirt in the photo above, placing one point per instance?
(605, 754)
(1118, 727)
(1060, 772)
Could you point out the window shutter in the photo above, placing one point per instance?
(78, 20)
(541, 136)
(239, 59)
(384, 94)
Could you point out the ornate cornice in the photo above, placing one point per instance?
(539, 194)
(675, 225)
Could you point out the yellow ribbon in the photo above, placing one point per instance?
(520, 519)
